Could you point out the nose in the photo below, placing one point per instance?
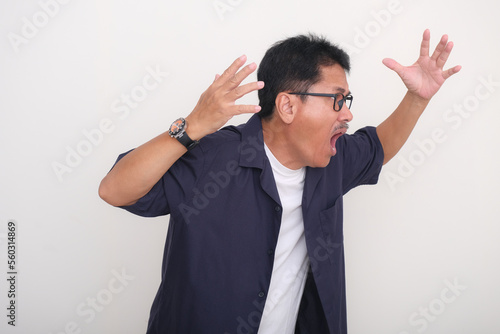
(345, 114)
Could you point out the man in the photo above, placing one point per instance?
(255, 241)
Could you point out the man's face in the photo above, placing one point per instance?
(317, 126)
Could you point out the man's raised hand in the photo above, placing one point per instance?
(426, 75)
(217, 104)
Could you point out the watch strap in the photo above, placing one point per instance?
(184, 139)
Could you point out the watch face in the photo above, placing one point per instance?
(176, 126)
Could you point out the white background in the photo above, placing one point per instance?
(432, 219)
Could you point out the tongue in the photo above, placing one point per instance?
(334, 139)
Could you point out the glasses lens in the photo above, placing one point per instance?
(348, 99)
(338, 102)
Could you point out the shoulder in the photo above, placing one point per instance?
(365, 134)
(364, 141)
(233, 135)
(233, 143)
(229, 135)
(220, 145)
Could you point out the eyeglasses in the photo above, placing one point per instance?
(338, 99)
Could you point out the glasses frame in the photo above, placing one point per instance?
(339, 104)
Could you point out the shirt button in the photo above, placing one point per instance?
(261, 294)
(277, 208)
(270, 252)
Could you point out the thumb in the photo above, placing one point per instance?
(393, 65)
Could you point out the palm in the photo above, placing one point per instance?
(426, 75)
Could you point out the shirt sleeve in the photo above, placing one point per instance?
(171, 189)
(362, 156)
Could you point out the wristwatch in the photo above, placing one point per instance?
(178, 131)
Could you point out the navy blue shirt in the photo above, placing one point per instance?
(225, 215)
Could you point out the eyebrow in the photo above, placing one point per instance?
(341, 90)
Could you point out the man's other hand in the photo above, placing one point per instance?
(426, 75)
(217, 105)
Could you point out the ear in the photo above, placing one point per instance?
(286, 107)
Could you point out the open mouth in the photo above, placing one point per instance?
(337, 134)
(333, 141)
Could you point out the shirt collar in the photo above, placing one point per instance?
(251, 148)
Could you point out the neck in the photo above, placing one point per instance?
(280, 143)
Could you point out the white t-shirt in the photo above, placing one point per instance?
(290, 258)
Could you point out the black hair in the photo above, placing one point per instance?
(294, 64)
